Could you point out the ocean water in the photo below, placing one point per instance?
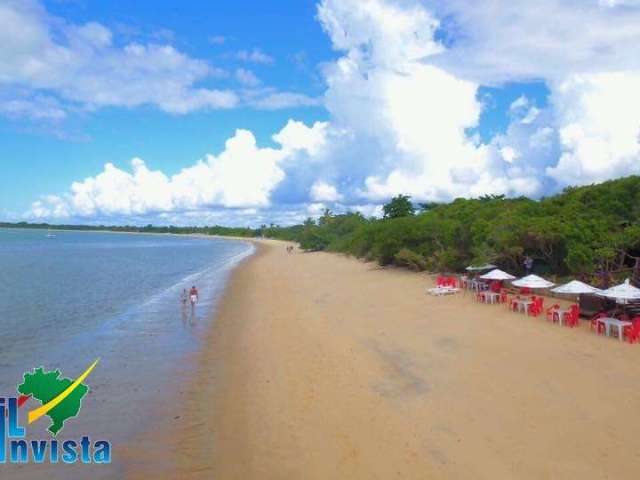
(67, 300)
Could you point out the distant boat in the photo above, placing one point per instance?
(50, 234)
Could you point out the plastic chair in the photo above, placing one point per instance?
(503, 296)
(536, 307)
(632, 332)
(595, 325)
(573, 318)
(551, 312)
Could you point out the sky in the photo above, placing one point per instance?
(250, 112)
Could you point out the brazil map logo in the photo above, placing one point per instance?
(60, 400)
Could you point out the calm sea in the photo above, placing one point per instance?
(68, 299)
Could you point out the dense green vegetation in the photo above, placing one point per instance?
(589, 232)
(584, 231)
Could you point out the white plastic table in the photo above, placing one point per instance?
(523, 305)
(491, 297)
(478, 286)
(561, 312)
(608, 322)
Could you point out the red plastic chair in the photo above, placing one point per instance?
(595, 325)
(551, 312)
(536, 307)
(503, 296)
(525, 291)
(632, 332)
(573, 318)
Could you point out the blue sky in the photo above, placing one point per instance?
(248, 112)
(78, 148)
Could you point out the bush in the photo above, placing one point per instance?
(410, 259)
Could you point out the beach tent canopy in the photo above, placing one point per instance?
(575, 287)
(532, 281)
(625, 291)
(497, 274)
(480, 268)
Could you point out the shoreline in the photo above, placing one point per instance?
(319, 366)
(173, 443)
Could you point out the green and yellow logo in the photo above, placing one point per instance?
(60, 400)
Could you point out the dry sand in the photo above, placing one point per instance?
(323, 367)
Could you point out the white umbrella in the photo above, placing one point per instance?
(625, 291)
(532, 281)
(575, 287)
(497, 274)
(479, 268)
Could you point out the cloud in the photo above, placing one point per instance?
(514, 40)
(324, 192)
(255, 56)
(247, 77)
(242, 176)
(523, 110)
(82, 65)
(409, 100)
(509, 154)
(599, 127)
(406, 119)
(20, 104)
(274, 100)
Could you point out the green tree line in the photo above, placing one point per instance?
(583, 231)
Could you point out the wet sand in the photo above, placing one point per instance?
(320, 366)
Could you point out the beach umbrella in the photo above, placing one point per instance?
(497, 274)
(532, 281)
(623, 292)
(480, 268)
(575, 287)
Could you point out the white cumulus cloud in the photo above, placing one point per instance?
(324, 192)
(82, 65)
(241, 176)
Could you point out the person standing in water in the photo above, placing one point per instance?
(184, 296)
(193, 297)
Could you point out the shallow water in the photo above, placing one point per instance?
(67, 300)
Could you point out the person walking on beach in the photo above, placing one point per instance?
(184, 296)
(193, 297)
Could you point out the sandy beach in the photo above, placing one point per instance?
(319, 366)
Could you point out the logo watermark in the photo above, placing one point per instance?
(60, 400)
